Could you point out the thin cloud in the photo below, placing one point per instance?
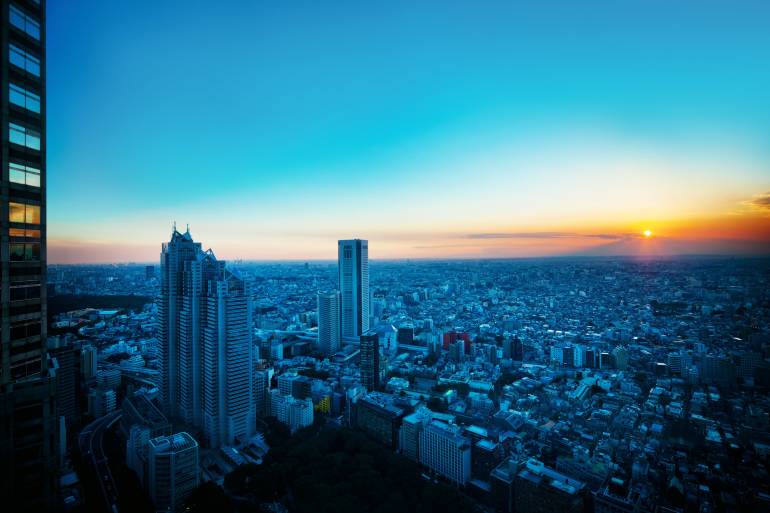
(549, 235)
(760, 201)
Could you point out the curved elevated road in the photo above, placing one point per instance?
(91, 445)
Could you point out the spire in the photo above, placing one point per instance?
(188, 228)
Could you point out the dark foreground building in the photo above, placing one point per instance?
(28, 413)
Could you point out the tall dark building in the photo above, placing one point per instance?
(370, 360)
(28, 414)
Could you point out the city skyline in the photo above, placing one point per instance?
(439, 131)
(539, 329)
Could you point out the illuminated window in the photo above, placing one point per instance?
(23, 213)
(23, 98)
(24, 252)
(21, 232)
(24, 22)
(25, 175)
(24, 136)
(24, 60)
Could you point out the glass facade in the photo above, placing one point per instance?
(17, 95)
(24, 22)
(24, 60)
(29, 424)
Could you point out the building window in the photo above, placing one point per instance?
(21, 232)
(26, 252)
(24, 60)
(25, 23)
(24, 136)
(25, 329)
(22, 291)
(23, 213)
(25, 175)
(23, 98)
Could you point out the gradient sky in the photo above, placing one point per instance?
(444, 129)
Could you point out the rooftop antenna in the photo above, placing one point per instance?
(174, 225)
(188, 227)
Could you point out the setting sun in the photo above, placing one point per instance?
(647, 233)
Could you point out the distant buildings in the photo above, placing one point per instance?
(173, 471)
(328, 322)
(370, 360)
(205, 319)
(540, 489)
(353, 263)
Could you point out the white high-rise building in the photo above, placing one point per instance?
(353, 269)
(172, 463)
(205, 320)
(300, 414)
(295, 413)
(329, 322)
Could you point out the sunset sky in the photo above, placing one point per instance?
(448, 129)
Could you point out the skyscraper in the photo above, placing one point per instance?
(28, 410)
(353, 263)
(328, 322)
(370, 360)
(88, 355)
(206, 347)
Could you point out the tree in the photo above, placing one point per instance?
(208, 497)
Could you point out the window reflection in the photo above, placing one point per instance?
(24, 98)
(26, 23)
(24, 252)
(25, 175)
(22, 213)
(23, 136)
(24, 60)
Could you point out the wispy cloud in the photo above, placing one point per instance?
(551, 235)
(760, 201)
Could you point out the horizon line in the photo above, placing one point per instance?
(755, 256)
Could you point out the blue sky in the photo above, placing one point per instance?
(274, 128)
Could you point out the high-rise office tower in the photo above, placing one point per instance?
(28, 416)
(353, 263)
(370, 360)
(64, 355)
(329, 322)
(205, 319)
(88, 355)
(172, 470)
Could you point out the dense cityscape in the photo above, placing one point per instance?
(585, 384)
(567, 308)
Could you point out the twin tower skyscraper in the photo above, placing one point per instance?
(343, 314)
(207, 359)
